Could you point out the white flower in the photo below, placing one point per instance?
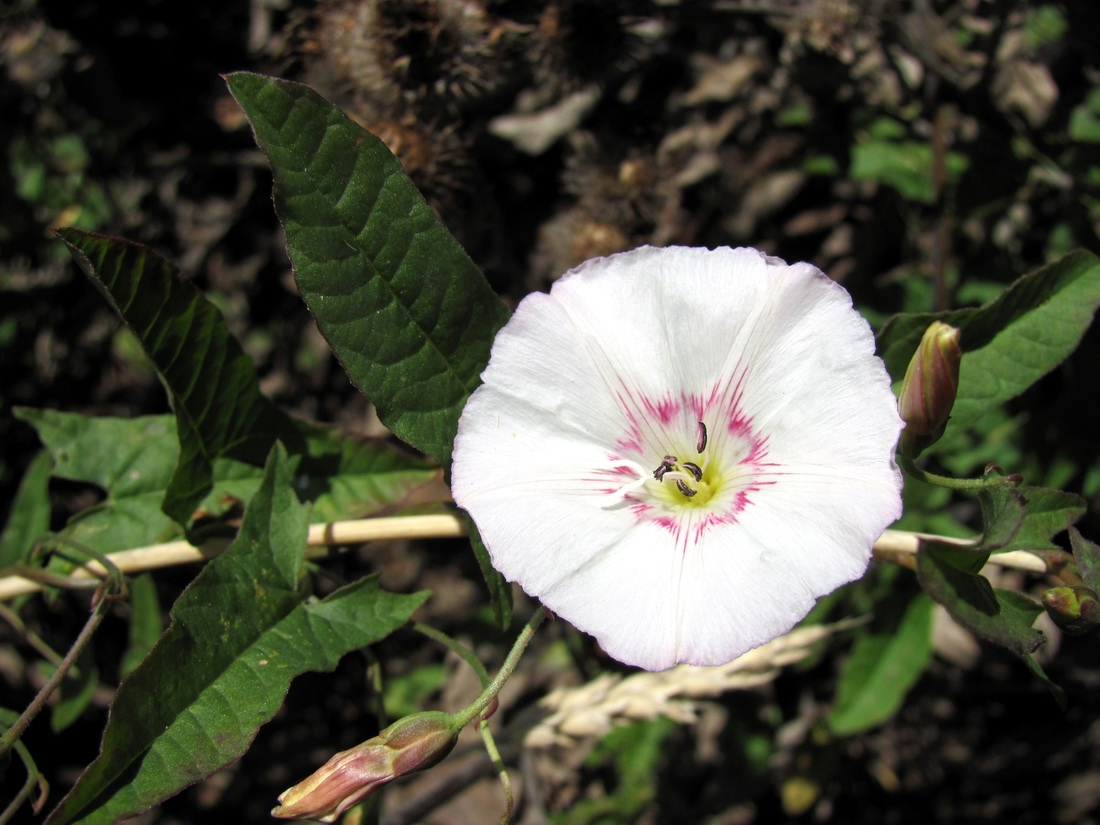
(678, 450)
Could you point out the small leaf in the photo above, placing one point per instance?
(408, 314)
(907, 166)
(146, 624)
(1087, 556)
(1003, 514)
(1011, 342)
(75, 692)
(211, 382)
(30, 513)
(884, 664)
(239, 634)
(1046, 514)
(1056, 692)
(1000, 616)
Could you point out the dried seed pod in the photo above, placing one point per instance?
(437, 55)
(575, 43)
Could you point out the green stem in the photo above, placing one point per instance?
(478, 706)
(916, 472)
(502, 772)
(33, 779)
(457, 648)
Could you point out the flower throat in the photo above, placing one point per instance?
(687, 482)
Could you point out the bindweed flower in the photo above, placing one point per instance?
(678, 450)
(408, 745)
(929, 388)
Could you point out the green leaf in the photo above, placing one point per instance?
(1011, 342)
(632, 755)
(883, 665)
(145, 622)
(408, 314)
(210, 380)
(1087, 556)
(132, 460)
(30, 513)
(244, 630)
(1000, 616)
(907, 166)
(75, 692)
(1046, 514)
(347, 476)
(500, 592)
(1003, 514)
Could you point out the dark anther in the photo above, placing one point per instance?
(683, 488)
(666, 465)
(694, 469)
(701, 439)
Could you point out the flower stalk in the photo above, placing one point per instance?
(411, 744)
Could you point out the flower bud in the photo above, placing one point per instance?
(408, 745)
(1074, 608)
(929, 388)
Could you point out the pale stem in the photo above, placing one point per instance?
(436, 526)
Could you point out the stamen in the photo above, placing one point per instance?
(617, 496)
(694, 469)
(683, 488)
(701, 438)
(667, 465)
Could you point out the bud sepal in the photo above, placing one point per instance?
(413, 743)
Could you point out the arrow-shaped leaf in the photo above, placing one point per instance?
(211, 382)
(406, 311)
(239, 634)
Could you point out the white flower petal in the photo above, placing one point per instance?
(581, 459)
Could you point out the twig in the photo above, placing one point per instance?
(441, 525)
(902, 542)
(12, 734)
(156, 556)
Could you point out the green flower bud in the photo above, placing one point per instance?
(1074, 608)
(929, 388)
(408, 745)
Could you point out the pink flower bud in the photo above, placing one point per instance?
(411, 744)
(929, 388)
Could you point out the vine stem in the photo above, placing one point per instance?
(457, 648)
(478, 706)
(437, 526)
(12, 734)
(936, 480)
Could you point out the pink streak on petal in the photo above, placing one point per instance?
(664, 409)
